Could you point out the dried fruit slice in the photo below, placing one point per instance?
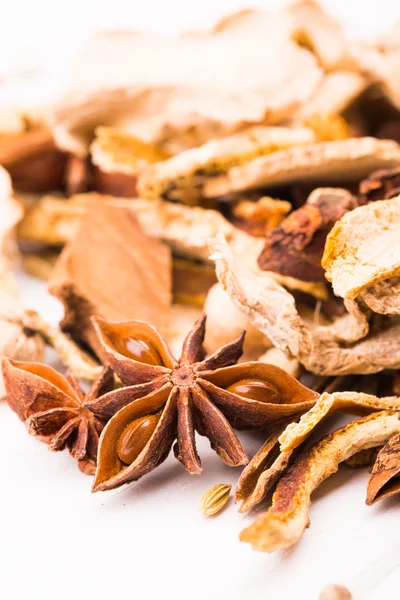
(284, 523)
(327, 350)
(353, 402)
(384, 480)
(218, 156)
(362, 252)
(321, 163)
(262, 472)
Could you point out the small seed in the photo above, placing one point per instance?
(256, 389)
(135, 436)
(215, 499)
(335, 592)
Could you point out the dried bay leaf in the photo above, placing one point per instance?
(111, 268)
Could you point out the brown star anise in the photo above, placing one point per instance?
(166, 400)
(52, 407)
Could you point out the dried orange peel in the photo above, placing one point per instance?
(363, 250)
(262, 472)
(353, 402)
(284, 523)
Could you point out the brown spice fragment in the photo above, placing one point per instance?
(284, 523)
(115, 184)
(379, 185)
(296, 246)
(172, 399)
(384, 480)
(51, 406)
(111, 268)
(33, 161)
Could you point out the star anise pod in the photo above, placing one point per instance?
(51, 406)
(166, 400)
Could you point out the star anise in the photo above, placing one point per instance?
(52, 407)
(166, 400)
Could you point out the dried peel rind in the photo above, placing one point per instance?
(324, 351)
(114, 151)
(321, 163)
(262, 472)
(353, 402)
(384, 481)
(363, 248)
(187, 83)
(383, 297)
(284, 523)
(218, 156)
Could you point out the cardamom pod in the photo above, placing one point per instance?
(215, 499)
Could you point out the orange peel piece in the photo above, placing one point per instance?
(353, 402)
(363, 248)
(284, 523)
(262, 472)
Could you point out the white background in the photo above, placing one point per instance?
(148, 540)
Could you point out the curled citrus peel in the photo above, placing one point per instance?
(284, 523)
(353, 402)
